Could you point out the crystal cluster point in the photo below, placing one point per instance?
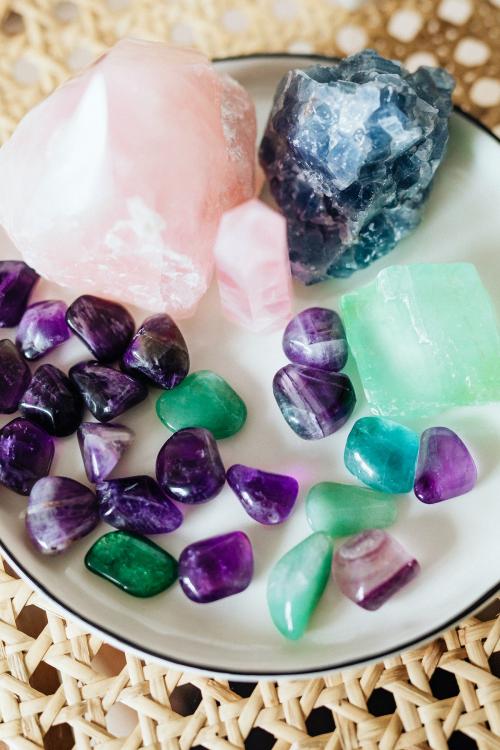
(26, 453)
(137, 504)
(267, 498)
(316, 337)
(445, 468)
(16, 282)
(15, 376)
(42, 328)
(158, 353)
(102, 447)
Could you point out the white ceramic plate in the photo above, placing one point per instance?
(456, 542)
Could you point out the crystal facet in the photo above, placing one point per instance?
(137, 504)
(102, 447)
(107, 393)
(316, 337)
(42, 328)
(216, 567)
(104, 327)
(344, 509)
(16, 282)
(371, 567)
(158, 352)
(189, 467)
(315, 403)
(267, 498)
(52, 401)
(15, 376)
(296, 584)
(445, 468)
(26, 453)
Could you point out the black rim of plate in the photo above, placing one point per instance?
(163, 657)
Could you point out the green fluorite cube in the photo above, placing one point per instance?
(344, 509)
(424, 338)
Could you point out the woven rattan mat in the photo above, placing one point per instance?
(61, 687)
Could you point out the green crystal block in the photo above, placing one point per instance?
(296, 584)
(203, 399)
(135, 564)
(424, 338)
(344, 509)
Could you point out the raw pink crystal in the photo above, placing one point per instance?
(253, 269)
(117, 181)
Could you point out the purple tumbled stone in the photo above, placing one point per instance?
(102, 447)
(316, 337)
(15, 377)
(16, 282)
(189, 467)
(107, 393)
(267, 498)
(158, 352)
(217, 567)
(314, 402)
(445, 468)
(42, 328)
(104, 327)
(59, 512)
(137, 504)
(52, 401)
(26, 453)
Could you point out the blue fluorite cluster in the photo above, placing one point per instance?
(350, 151)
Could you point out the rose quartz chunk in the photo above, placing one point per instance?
(253, 269)
(116, 182)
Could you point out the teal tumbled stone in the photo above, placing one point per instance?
(344, 509)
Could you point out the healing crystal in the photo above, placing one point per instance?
(104, 327)
(203, 399)
(216, 567)
(102, 447)
(107, 393)
(42, 328)
(158, 352)
(15, 376)
(189, 467)
(16, 282)
(382, 454)
(253, 270)
(267, 498)
(424, 338)
(316, 337)
(137, 504)
(371, 567)
(350, 151)
(26, 453)
(315, 403)
(296, 584)
(116, 182)
(445, 468)
(59, 512)
(52, 401)
(133, 563)
(344, 509)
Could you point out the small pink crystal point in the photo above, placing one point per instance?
(253, 269)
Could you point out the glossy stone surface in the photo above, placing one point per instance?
(133, 563)
(296, 584)
(424, 338)
(102, 447)
(344, 509)
(42, 328)
(382, 454)
(315, 403)
(217, 567)
(26, 453)
(267, 498)
(158, 353)
(59, 512)
(107, 393)
(137, 504)
(15, 376)
(16, 282)
(445, 468)
(189, 467)
(104, 327)
(52, 401)
(203, 399)
(315, 337)
(371, 567)
(350, 151)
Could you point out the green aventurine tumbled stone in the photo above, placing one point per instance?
(296, 584)
(133, 563)
(344, 509)
(203, 399)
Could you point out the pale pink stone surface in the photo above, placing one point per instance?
(116, 183)
(253, 269)
(240, 131)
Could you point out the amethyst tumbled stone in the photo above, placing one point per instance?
(104, 327)
(316, 337)
(445, 468)
(158, 352)
(102, 447)
(16, 282)
(60, 511)
(52, 401)
(107, 392)
(189, 467)
(267, 498)
(216, 567)
(26, 453)
(42, 328)
(137, 504)
(15, 376)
